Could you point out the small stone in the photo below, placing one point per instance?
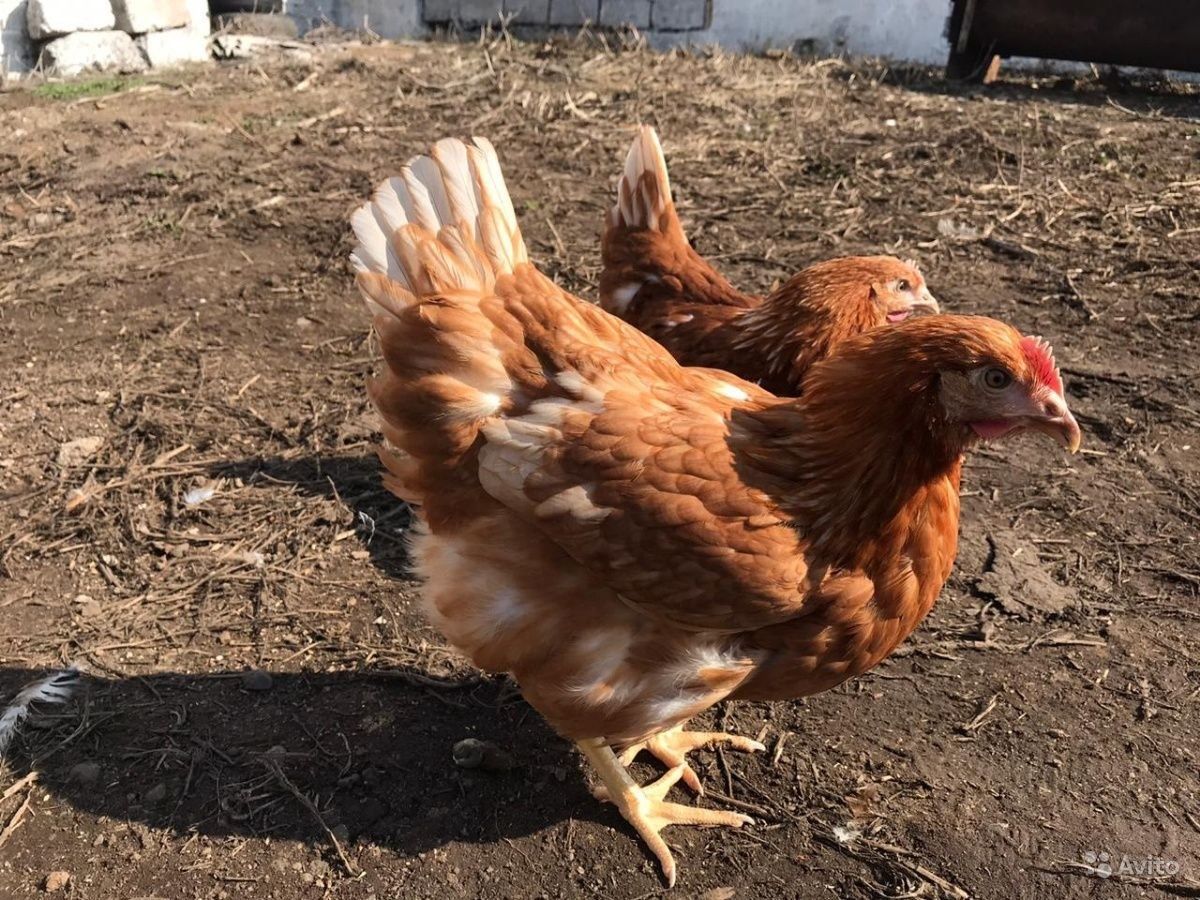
(321, 869)
(156, 794)
(56, 881)
(78, 451)
(84, 774)
(257, 680)
(342, 833)
(470, 753)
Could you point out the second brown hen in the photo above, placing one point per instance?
(654, 280)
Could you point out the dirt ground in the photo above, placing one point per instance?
(174, 285)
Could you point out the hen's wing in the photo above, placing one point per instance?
(572, 419)
(650, 270)
(630, 471)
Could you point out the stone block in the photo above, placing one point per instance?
(477, 12)
(175, 47)
(86, 51)
(198, 17)
(615, 13)
(51, 18)
(441, 10)
(679, 15)
(573, 13)
(528, 12)
(141, 16)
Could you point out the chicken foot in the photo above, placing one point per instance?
(670, 747)
(646, 809)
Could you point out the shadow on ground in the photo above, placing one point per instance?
(374, 752)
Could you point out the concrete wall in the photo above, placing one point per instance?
(387, 18)
(910, 30)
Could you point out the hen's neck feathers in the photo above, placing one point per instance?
(802, 321)
(856, 459)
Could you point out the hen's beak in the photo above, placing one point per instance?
(901, 308)
(926, 304)
(1058, 422)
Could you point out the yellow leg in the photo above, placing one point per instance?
(645, 807)
(671, 746)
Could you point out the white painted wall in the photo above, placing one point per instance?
(909, 30)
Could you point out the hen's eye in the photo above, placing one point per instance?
(903, 286)
(997, 379)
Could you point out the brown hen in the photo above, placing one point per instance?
(635, 540)
(654, 280)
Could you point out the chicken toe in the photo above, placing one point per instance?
(647, 810)
(672, 745)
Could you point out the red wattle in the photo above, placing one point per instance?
(990, 429)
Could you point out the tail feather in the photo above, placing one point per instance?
(650, 268)
(644, 192)
(446, 222)
(475, 338)
(432, 243)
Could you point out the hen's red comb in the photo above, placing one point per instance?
(1041, 360)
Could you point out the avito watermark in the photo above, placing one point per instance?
(1105, 865)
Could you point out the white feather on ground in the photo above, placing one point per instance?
(57, 687)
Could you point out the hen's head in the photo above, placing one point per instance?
(880, 289)
(981, 378)
(1007, 384)
(809, 315)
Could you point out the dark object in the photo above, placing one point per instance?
(470, 753)
(1159, 34)
(257, 680)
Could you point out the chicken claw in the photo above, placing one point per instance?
(670, 747)
(646, 809)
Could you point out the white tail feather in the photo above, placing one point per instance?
(641, 200)
(54, 688)
(445, 223)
